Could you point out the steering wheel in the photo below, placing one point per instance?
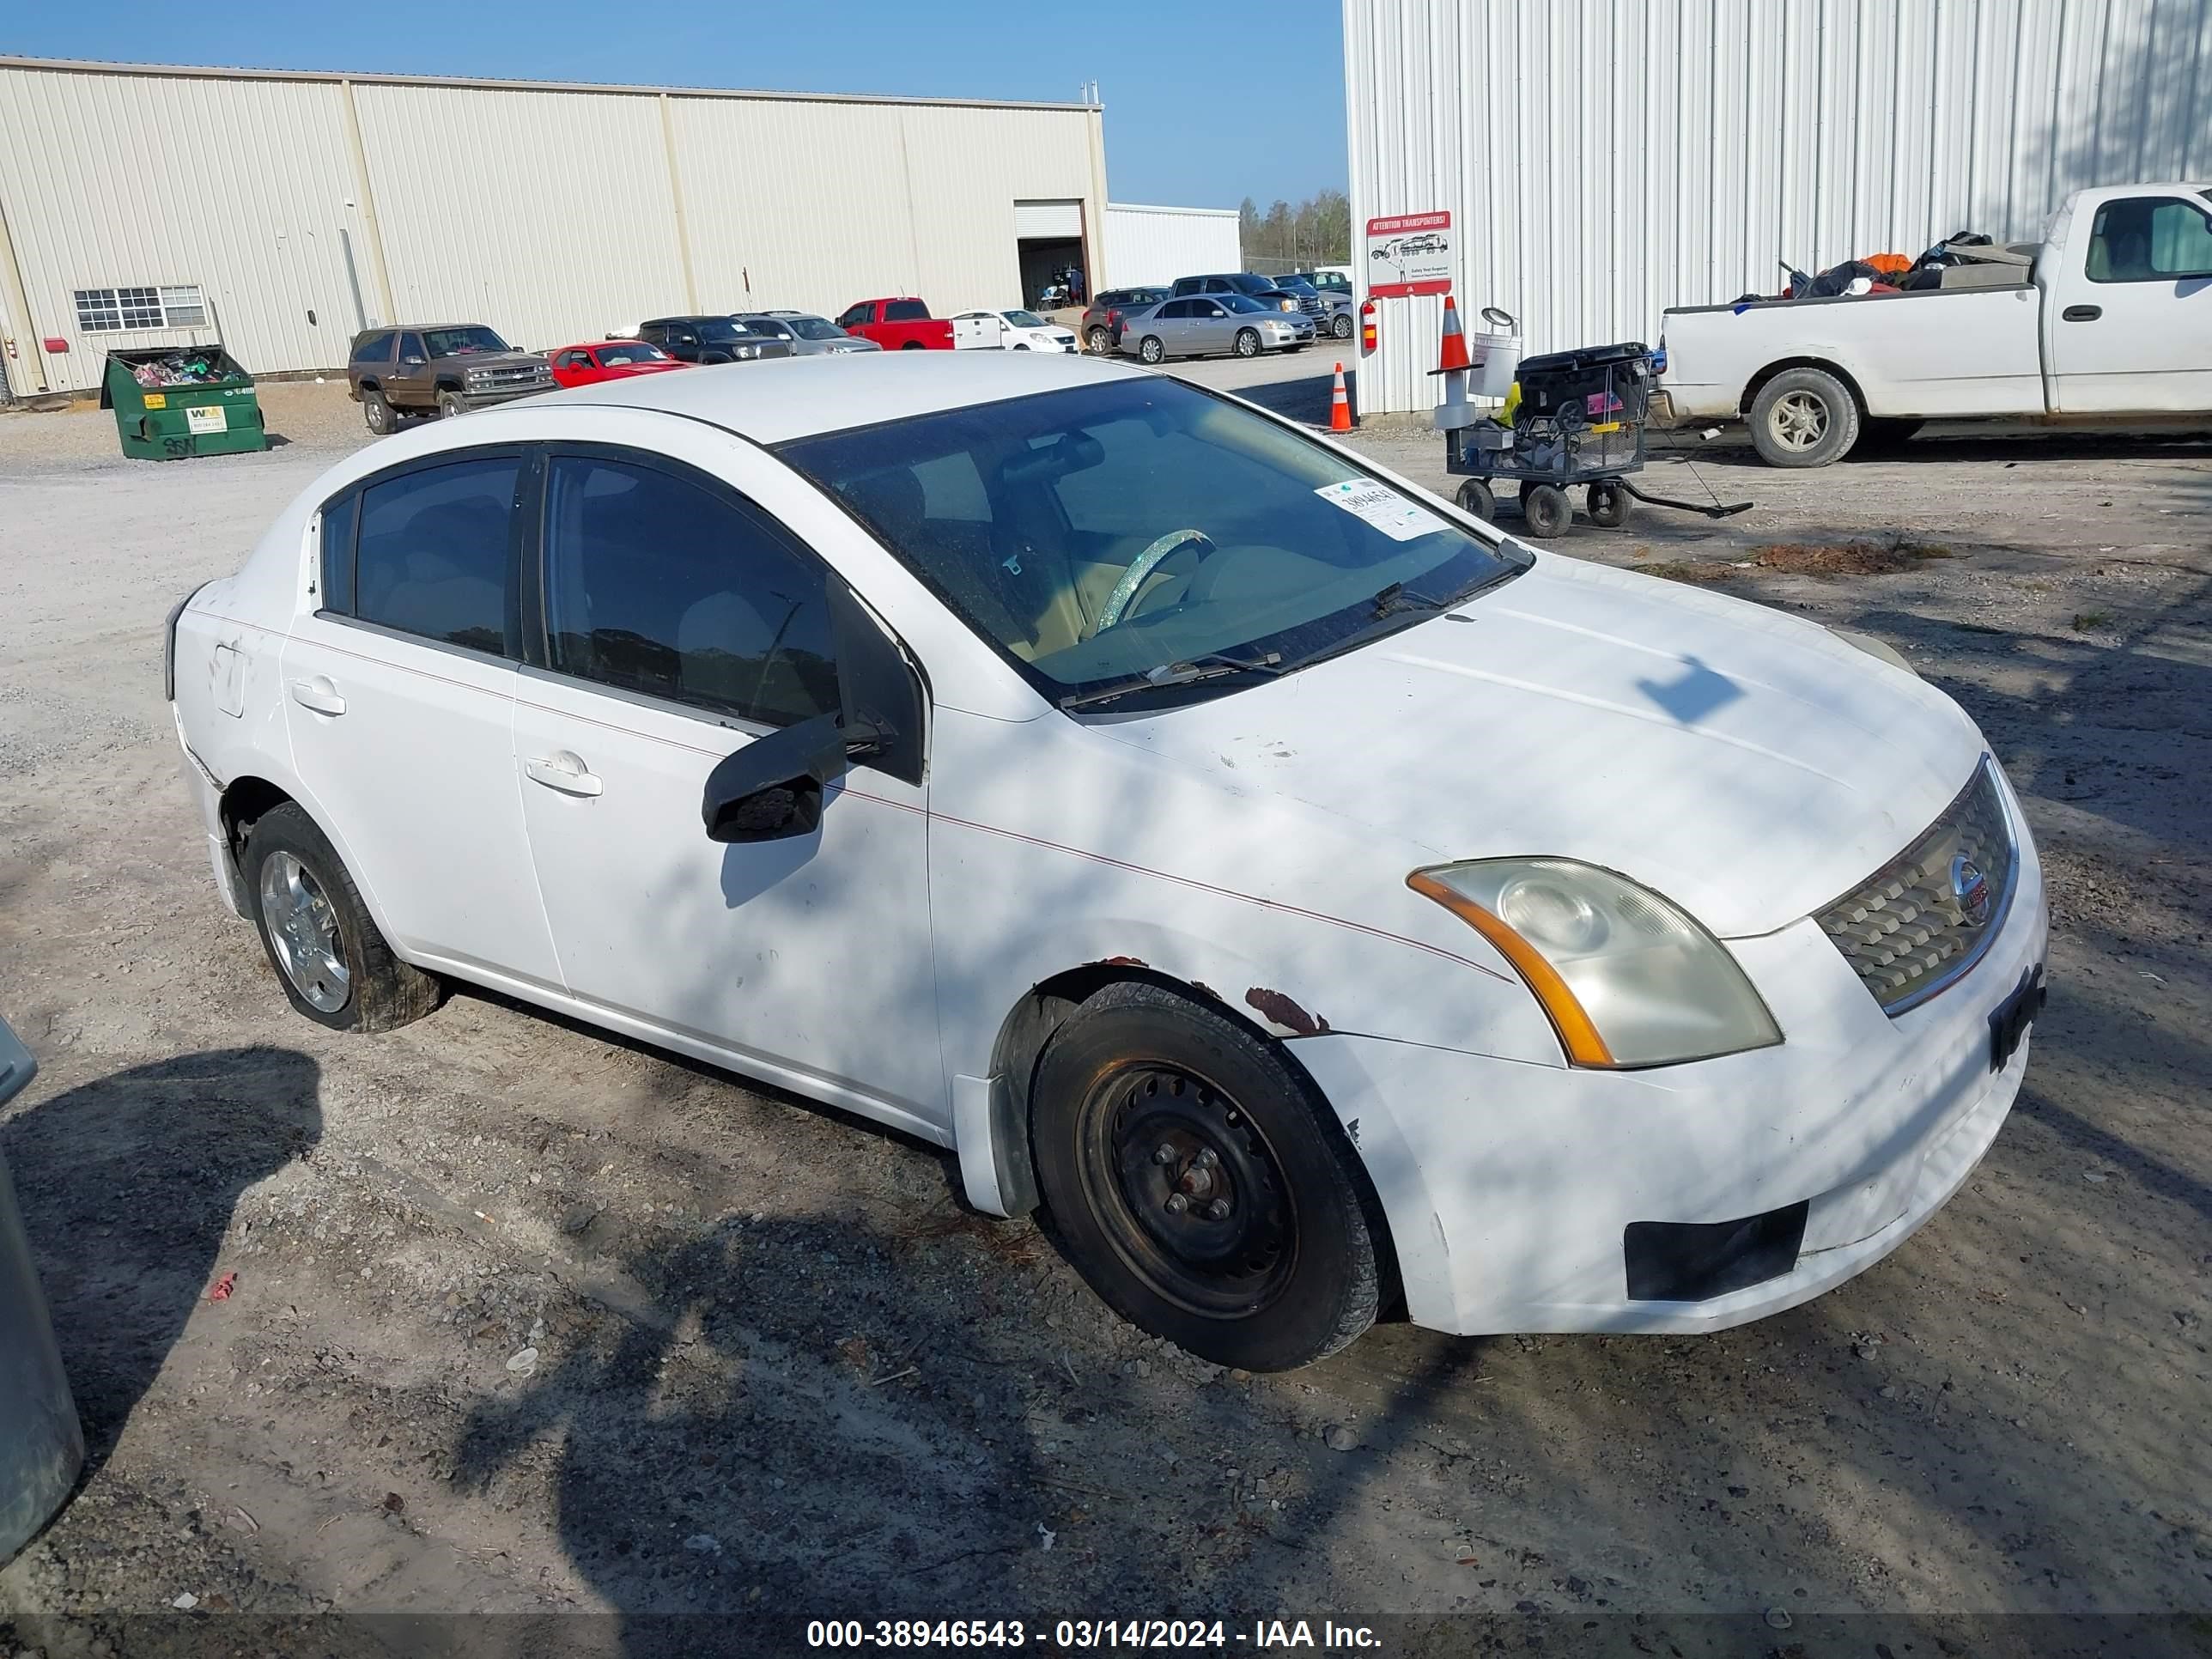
(1140, 567)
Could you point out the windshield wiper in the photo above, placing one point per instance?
(1394, 599)
(1212, 666)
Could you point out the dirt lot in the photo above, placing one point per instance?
(530, 1321)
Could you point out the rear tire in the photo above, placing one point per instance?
(914, 345)
(1150, 348)
(1547, 509)
(377, 412)
(1271, 1261)
(1340, 326)
(1100, 341)
(1248, 343)
(1607, 504)
(1804, 417)
(329, 955)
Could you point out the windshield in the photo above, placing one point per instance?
(614, 356)
(815, 328)
(1243, 302)
(722, 329)
(1097, 534)
(1297, 285)
(462, 341)
(1022, 320)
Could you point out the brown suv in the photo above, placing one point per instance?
(451, 368)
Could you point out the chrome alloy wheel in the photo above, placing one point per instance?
(303, 932)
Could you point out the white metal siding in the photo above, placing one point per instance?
(1603, 160)
(1151, 245)
(238, 186)
(552, 213)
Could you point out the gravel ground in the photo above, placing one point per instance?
(528, 1321)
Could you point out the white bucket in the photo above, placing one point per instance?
(1492, 361)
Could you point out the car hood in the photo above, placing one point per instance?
(494, 359)
(1744, 763)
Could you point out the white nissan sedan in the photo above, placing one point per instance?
(1310, 898)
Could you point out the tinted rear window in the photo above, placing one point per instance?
(906, 311)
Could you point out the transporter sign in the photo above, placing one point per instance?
(1409, 254)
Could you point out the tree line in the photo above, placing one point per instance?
(1315, 232)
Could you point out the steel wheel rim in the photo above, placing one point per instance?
(302, 926)
(1799, 420)
(1187, 1190)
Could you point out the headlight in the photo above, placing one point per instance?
(1625, 978)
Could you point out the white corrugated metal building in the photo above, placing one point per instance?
(141, 206)
(1603, 160)
(1150, 246)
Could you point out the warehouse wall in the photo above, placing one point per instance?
(553, 213)
(1603, 160)
(1155, 245)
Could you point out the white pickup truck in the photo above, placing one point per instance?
(2109, 317)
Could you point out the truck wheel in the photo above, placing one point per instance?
(1100, 341)
(1607, 504)
(1547, 509)
(1248, 343)
(1151, 349)
(332, 962)
(1476, 497)
(914, 345)
(1885, 437)
(1340, 326)
(376, 411)
(451, 404)
(1191, 1175)
(1804, 417)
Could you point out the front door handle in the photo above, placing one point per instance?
(565, 772)
(319, 694)
(2082, 313)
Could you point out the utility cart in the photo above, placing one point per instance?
(1577, 417)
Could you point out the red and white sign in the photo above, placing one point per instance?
(1409, 254)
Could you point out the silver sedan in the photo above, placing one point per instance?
(809, 336)
(1199, 324)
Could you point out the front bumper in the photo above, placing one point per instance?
(1510, 1188)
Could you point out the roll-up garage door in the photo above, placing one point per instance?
(1047, 219)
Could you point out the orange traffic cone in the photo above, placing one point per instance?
(1339, 406)
(1452, 355)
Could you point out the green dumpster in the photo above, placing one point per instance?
(174, 401)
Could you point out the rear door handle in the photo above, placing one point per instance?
(565, 772)
(2082, 313)
(319, 694)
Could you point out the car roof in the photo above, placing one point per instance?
(782, 399)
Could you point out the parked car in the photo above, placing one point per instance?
(449, 368)
(1332, 313)
(1265, 289)
(1102, 319)
(1311, 897)
(1023, 331)
(595, 361)
(717, 339)
(2111, 315)
(1202, 325)
(905, 325)
(809, 336)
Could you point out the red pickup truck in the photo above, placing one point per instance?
(905, 325)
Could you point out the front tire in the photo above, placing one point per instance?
(1804, 417)
(377, 412)
(1607, 504)
(1150, 348)
(451, 405)
(1476, 497)
(1248, 343)
(1193, 1179)
(333, 962)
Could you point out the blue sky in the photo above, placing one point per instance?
(1202, 108)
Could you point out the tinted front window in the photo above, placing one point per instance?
(374, 349)
(462, 341)
(657, 584)
(432, 552)
(1300, 553)
(906, 311)
(2149, 239)
(411, 348)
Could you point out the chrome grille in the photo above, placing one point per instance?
(1920, 921)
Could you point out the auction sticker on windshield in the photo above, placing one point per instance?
(1399, 519)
